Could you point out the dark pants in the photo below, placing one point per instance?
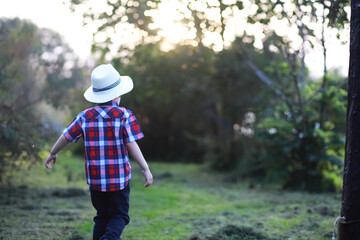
(112, 213)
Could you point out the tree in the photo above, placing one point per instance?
(208, 17)
(204, 21)
(309, 160)
(350, 226)
(170, 89)
(35, 68)
(297, 147)
(118, 20)
(232, 103)
(302, 136)
(310, 19)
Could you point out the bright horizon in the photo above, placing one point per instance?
(57, 16)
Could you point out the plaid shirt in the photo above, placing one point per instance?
(105, 129)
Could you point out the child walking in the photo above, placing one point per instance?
(109, 133)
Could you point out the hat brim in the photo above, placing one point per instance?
(125, 86)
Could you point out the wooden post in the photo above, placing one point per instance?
(350, 227)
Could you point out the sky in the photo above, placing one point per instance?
(53, 14)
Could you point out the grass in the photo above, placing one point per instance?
(186, 201)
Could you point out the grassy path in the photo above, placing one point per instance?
(185, 202)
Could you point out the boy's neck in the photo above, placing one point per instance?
(112, 102)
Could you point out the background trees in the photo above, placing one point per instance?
(230, 88)
(204, 99)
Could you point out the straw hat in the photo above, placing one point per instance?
(107, 84)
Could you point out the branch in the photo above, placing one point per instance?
(261, 75)
(301, 105)
(323, 85)
(300, 25)
(266, 80)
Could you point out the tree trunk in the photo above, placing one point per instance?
(350, 227)
(323, 85)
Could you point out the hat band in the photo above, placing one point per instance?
(108, 87)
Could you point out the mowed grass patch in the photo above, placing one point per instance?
(186, 201)
(189, 199)
(47, 204)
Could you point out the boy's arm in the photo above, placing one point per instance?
(135, 152)
(60, 144)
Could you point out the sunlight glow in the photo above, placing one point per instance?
(168, 20)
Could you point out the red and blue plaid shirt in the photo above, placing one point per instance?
(105, 129)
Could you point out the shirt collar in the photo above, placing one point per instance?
(112, 103)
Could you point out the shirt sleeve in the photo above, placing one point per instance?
(74, 131)
(131, 130)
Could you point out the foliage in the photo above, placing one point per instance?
(185, 101)
(297, 130)
(199, 18)
(35, 68)
(300, 157)
(169, 93)
(335, 13)
(116, 18)
(208, 17)
(233, 101)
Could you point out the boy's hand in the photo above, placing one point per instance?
(48, 160)
(148, 177)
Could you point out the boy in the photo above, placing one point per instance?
(109, 133)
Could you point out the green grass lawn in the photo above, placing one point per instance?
(186, 201)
